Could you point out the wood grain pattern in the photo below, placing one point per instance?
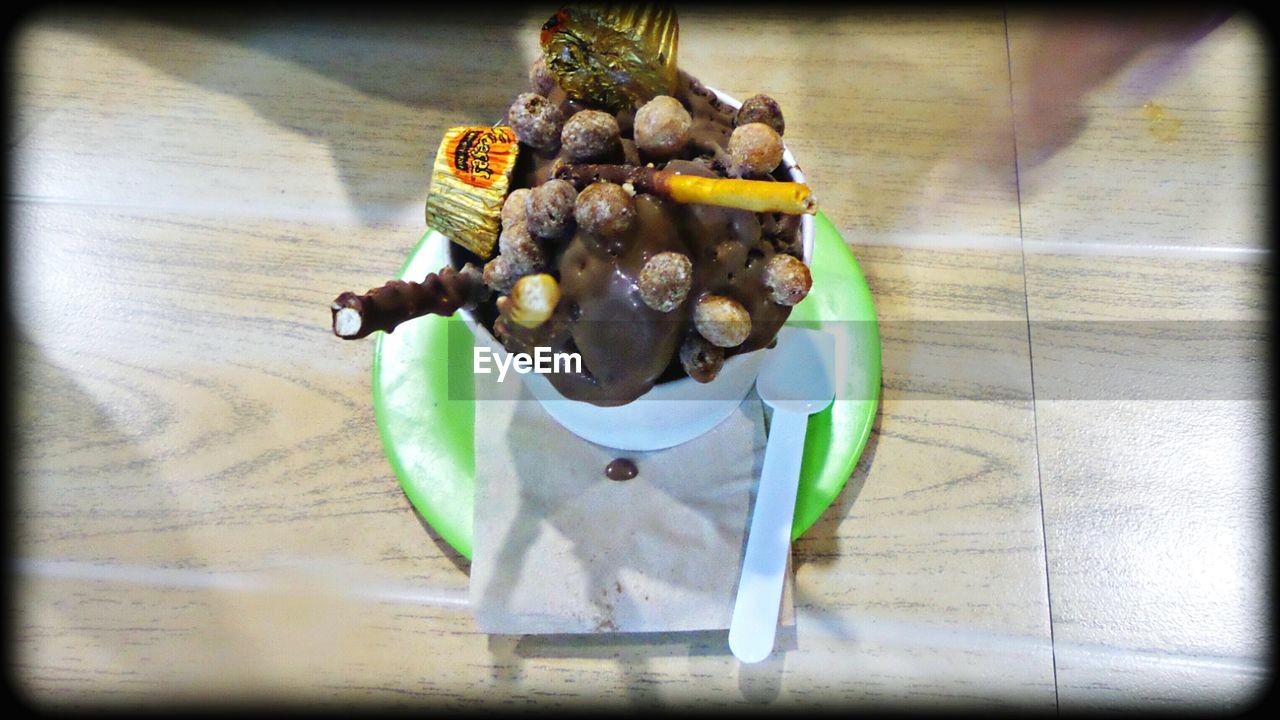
(203, 508)
(184, 407)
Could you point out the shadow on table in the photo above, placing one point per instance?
(759, 682)
(820, 545)
(352, 82)
(460, 562)
(98, 520)
(65, 443)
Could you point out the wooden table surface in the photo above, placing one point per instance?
(203, 511)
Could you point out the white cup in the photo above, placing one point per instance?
(669, 413)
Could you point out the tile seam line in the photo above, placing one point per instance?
(175, 578)
(394, 215)
(880, 630)
(1031, 370)
(1241, 253)
(1186, 252)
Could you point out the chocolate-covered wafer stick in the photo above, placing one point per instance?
(755, 195)
(439, 293)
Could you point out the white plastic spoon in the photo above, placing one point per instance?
(797, 379)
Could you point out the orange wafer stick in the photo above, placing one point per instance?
(755, 195)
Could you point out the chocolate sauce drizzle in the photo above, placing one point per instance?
(625, 346)
(621, 469)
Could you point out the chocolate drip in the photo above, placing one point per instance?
(621, 469)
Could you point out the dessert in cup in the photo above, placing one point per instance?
(625, 213)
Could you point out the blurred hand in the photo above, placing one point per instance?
(1071, 55)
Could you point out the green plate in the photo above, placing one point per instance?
(429, 437)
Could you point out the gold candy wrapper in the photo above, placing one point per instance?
(614, 54)
(469, 183)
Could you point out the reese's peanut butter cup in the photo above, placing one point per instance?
(469, 183)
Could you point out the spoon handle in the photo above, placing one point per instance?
(755, 611)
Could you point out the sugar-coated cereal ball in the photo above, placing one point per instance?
(700, 359)
(754, 149)
(521, 249)
(513, 208)
(549, 208)
(501, 275)
(787, 279)
(591, 135)
(536, 121)
(541, 79)
(665, 280)
(662, 127)
(533, 299)
(761, 108)
(722, 320)
(604, 209)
